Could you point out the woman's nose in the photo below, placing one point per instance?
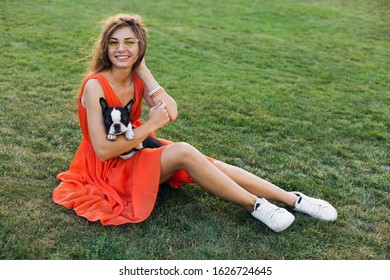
(121, 46)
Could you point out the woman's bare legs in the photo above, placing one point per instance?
(256, 185)
(183, 156)
(224, 181)
(239, 186)
(316, 208)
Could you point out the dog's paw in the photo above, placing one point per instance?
(111, 137)
(129, 135)
(139, 147)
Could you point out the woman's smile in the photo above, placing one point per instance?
(122, 57)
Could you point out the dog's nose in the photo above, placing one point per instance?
(117, 127)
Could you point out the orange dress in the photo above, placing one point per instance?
(115, 191)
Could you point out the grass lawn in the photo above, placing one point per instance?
(296, 92)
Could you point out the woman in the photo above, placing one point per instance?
(99, 185)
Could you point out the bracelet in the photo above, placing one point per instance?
(161, 90)
(155, 90)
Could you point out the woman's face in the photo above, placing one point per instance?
(123, 48)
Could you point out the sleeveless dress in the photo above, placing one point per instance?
(115, 191)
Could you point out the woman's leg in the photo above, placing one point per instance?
(317, 208)
(256, 185)
(183, 156)
(239, 186)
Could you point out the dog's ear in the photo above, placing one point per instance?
(129, 105)
(103, 103)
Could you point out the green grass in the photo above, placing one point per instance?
(296, 92)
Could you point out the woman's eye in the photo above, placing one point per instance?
(113, 43)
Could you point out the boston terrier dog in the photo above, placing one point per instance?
(117, 121)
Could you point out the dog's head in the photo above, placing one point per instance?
(116, 119)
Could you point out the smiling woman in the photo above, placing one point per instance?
(100, 185)
(134, 24)
(123, 50)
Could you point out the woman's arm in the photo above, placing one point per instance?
(104, 148)
(159, 97)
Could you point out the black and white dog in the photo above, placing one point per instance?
(117, 121)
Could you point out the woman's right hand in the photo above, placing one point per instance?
(158, 115)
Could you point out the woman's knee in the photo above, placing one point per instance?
(182, 152)
(188, 153)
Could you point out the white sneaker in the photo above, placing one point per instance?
(317, 208)
(277, 219)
